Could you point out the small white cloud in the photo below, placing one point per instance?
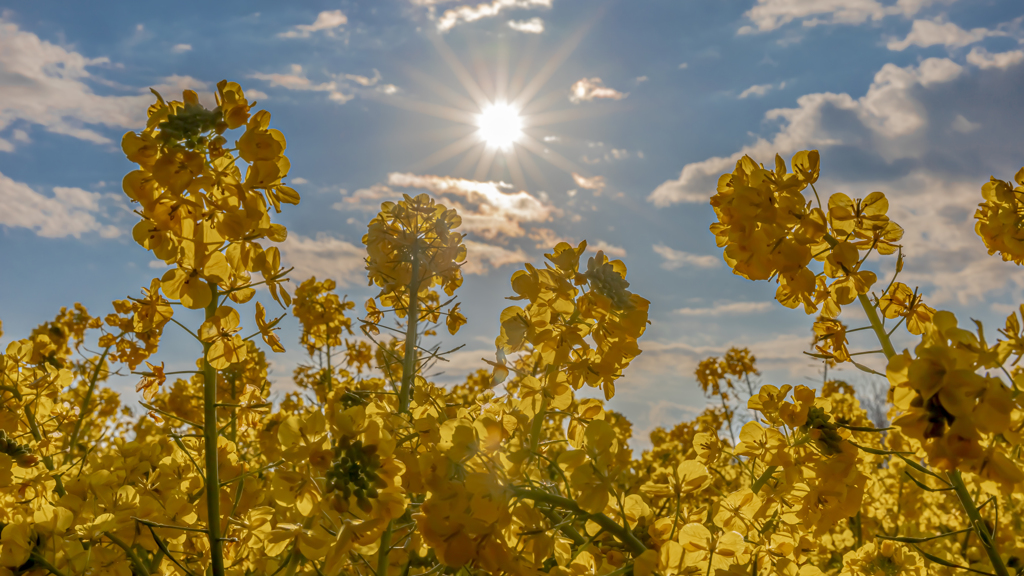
(757, 90)
(531, 26)
(926, 33)
(300, 180)
(726, 309)
(984, 59)
(963, 125)
(674, 259)
(326, 22)
(609, 249)
(181, 48)
(587, 89)
(641, 79)
(465, 14)
(593, 183)
(21, 136)
(365, 80)
(684, 66)
(767, 15)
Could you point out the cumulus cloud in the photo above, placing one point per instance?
(915, 135)
(531, 26)
(488, 209)
(726, 309)
(926, 33)
(482, 257)
(888, 118)
(326, 21)
(674, 259)
(984, 59)
(324, 257)
(69, 212)
(587, 89)
(769, 15)
(181, 48)
(465, 14)
(48, 85)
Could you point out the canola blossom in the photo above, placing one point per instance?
(371, 469)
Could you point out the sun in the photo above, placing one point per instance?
(499, 125)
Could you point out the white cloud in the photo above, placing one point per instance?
(674, 259)
(299, 180)
(365, 81)
(465, 14)
(326, 22)
(984, 59)
(482, 257)
(608, 249)
(757, 90)
(593, 183)
(684, 66)
(890, 118)
(46, 85)
(963, 125)
(768, 15)
(926, 33)
(726, 309)
(324, 257)
(69, 212)
(587, 89)
(296, 80)
(181, 48)
(531, 26)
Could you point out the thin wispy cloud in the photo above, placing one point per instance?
(726, 309)
(327, 22)
(672, 259)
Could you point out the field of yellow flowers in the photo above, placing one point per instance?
(388, 474)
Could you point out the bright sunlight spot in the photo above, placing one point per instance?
(500, 125)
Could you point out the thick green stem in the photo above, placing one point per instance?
(86, 400)
(412, 315)
(611, 526)
(977, 523)
(876, 325)
(210, 436)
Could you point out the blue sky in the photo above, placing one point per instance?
(632, 110)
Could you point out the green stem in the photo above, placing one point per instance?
(139, 565)
(210, 436)
(412, 316)
(538, 422)
(977, 523)
(955, 479)
(385, 548)
(876, 325)
(85, 401)
(625, 536)
(408, 376)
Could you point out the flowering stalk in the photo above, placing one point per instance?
(954, 477)
(210, 435)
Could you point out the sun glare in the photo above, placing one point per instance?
(500, 125)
